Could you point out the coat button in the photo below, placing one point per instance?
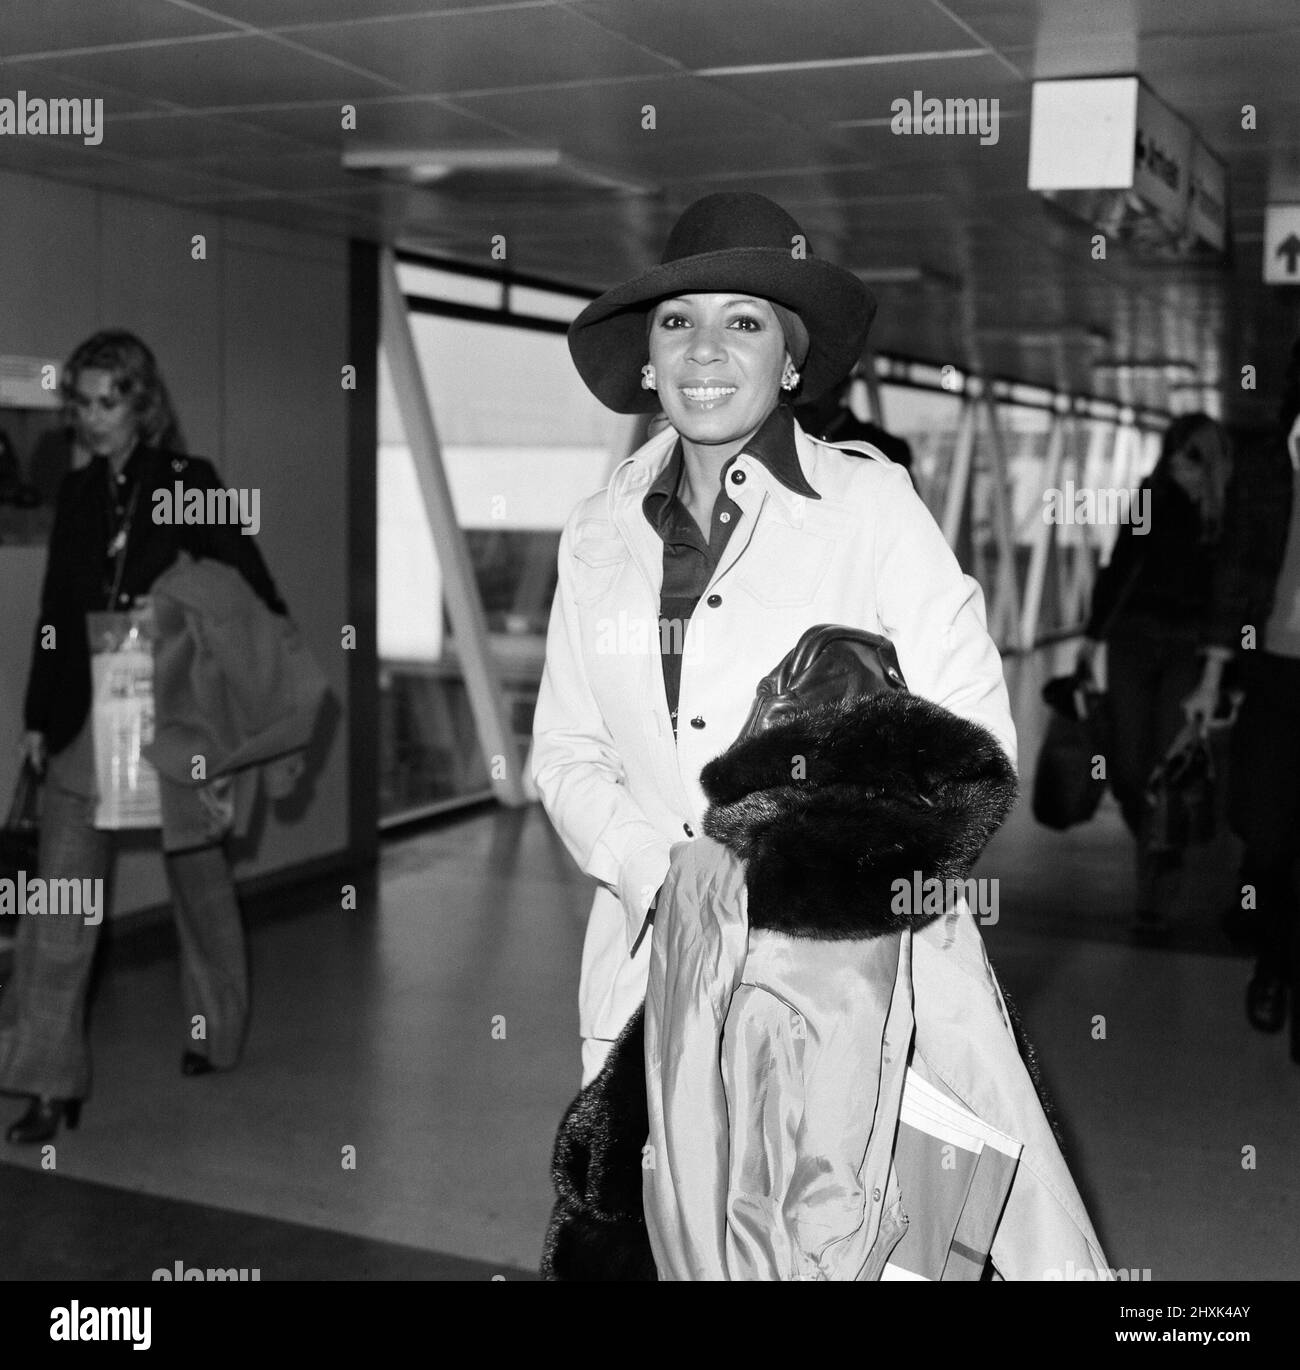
(697, 722)
(724, 517)
(686, 828)
(713, 601)
(738, 478)
(875, 1196)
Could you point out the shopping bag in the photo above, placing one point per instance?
(1065, 790)
(20, 838)
(121, 658)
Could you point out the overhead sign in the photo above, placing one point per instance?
(1282, 245)
(1162, 158)
(1081, 133)
(1109, 150)
(1207, 215)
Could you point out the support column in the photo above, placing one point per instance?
(1044, 536)
(1005, 615)
(954, 500)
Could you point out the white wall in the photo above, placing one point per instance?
(251, 341)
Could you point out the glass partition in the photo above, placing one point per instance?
(522, 442)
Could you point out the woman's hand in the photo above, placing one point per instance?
(32, 750)
(1200, 704)
(1084, 656)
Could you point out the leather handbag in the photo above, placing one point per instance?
(1079, 728)
(829, 663)
(1180, 795)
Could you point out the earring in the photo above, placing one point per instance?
(789, 377)
(647, 377)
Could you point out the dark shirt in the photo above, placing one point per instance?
(1165, 574)
(92, 508)
(1256, 519)
(691, 558)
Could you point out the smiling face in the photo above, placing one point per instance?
(107, 423)
(718, 360)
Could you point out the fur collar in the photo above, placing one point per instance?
(831, 807)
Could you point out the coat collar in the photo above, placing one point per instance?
(632, 478)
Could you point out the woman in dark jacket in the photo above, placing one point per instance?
(1151, 605)
(106, 551)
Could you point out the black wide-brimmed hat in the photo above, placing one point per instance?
(732, 241)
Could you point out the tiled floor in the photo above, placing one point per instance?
(433, 1030)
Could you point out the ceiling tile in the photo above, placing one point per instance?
(30, 26)
(700, 126)
(46, 81)
(395, 121)
(732, 32)
(223, 71)
(91, 167)
(478, 51)
(164, 135)
(821, 98)
(307, 173)
(289, 14)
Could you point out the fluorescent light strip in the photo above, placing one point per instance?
(833, 63)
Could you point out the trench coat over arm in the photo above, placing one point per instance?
(619, 788)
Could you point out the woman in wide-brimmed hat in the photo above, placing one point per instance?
(712, 549)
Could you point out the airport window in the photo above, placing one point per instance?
(522, 442)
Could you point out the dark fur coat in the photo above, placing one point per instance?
(827, 809)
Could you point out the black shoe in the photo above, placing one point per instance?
(1266, 1002)
(193, 1063)
(41, 1121)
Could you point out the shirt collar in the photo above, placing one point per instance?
(773, 446)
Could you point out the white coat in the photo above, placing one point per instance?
(619, 788)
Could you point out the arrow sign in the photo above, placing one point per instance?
(1289, 248)
(1282, 245)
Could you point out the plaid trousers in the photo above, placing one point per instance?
(44, 1047)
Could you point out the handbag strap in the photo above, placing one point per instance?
(22, 796)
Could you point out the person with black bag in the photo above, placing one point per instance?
(106, 552)
(1151, 606)
(1254, 620)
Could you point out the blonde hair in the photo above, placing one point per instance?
(136, 378)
